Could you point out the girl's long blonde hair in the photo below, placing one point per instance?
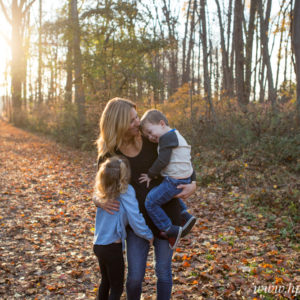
(112, 177)
(114, 122)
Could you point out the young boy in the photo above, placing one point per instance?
(174, 164)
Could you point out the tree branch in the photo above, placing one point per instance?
(27, 7)
(22, 2)
(5, 12)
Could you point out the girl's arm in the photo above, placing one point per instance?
(134, 216)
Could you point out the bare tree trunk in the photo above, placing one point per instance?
(227, 83)
(171, 22)
(231, 51)
(79, 89)
(40, 96)
(55, 71)
(239, 53)
(51, 83)
(256, 62)
(156, 83)
(69, 59)
(186, 76)
(27, 33)
(193, 71)
(69, 68)
(229, 23)
(17, 62)
(217, 76)
(207, 82)
(280, 48)
(249, 47)
(199, 60)
(183, 80)
(30, 84)
(296, 48)
(210, 64)
(162, 92)
(7, 102)
(281, 29)
(261, 82)
(266, 57)
(18, 13)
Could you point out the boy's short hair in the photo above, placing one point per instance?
(153, 116)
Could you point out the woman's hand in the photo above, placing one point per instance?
(187, 190)
(109, 205)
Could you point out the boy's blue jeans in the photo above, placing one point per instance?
(160, 195)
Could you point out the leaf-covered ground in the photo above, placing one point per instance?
(46, 233)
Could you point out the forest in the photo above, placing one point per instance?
(226, 73)
(198, 59)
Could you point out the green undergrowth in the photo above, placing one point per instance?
(61, 124)
(258, 153)
(271, 189)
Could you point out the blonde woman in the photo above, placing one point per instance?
(112, 183)
(120, 134)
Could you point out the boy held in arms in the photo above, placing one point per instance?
(174, 165)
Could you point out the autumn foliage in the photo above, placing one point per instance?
(47, 224)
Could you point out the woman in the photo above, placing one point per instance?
(120, 134)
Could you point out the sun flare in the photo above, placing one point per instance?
(4, 60)
(4, 54)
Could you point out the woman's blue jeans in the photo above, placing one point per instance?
(137, 253)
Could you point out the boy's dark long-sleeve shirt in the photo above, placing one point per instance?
(174, 157)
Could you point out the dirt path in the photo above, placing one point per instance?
(46, 233)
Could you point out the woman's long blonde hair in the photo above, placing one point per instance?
(114, 122)
(112, 177)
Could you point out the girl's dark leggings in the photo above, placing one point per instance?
(111, 262)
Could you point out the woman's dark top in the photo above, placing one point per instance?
(141, 164)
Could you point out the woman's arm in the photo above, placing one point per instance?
(187, 190)
(107, 204)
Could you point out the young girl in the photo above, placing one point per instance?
(112, 183)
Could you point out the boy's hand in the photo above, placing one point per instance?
(145, 178)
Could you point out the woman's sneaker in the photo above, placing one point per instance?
(188, 223)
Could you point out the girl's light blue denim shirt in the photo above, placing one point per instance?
(111, 228)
